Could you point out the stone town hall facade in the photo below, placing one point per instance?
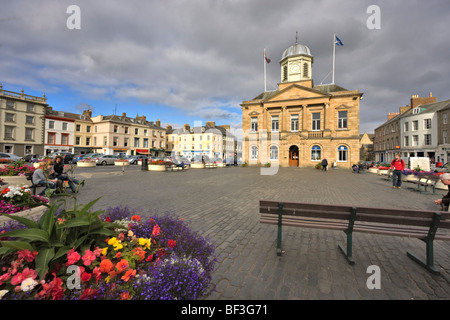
(300, 124)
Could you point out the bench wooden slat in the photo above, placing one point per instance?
(426, 225)
(308, 213)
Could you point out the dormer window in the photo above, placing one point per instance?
(416, 110)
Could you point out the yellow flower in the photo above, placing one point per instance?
(118, 246)
(107, 279)
(130, 233)
(112, 241)
(104, 250)
(145, 242)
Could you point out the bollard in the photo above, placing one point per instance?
(144, 164)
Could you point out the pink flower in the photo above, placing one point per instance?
(4, 277)
(17, 279)
(29, 273)
(27, 255)
(88, 257)
(72, 257)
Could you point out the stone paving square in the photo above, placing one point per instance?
(223, 205)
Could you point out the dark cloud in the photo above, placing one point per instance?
(206, 57)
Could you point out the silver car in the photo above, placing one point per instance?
(10, 156)
(105, 159)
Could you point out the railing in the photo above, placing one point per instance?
(315, 134)
(23, 96)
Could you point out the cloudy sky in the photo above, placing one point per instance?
(197, 60)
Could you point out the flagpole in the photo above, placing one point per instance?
(334, 55)
(265, 77)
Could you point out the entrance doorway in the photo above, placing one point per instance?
(293, 156)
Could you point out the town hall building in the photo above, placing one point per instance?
(299, 124)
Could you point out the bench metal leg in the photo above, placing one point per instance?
(429, 264)
(348, 253)
(280, 222)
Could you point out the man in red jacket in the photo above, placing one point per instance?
(398, 165)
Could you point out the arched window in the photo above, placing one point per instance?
(316, 153)
(254, 153)
(285, 73)
(342, 154)
(273, 153)
(305, 70)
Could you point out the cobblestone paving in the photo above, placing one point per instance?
(222, 204)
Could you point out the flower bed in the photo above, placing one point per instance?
(84, 163)
(16, 169)
(156, 167)
(14, 199)
(121, 162)
(82, 255)
(197, 165)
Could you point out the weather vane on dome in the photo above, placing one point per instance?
(296, 36)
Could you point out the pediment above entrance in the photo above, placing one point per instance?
(253, 113)
(295, 92)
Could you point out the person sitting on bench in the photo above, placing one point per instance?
(39, 179)
(177, 163)
(445, 201)
(58, 172)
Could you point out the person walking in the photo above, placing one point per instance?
(398, 165)
(324, 164)
(445, 201)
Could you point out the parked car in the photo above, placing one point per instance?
(106, 159)
(10, 156)
(29, 157)
(134, 159)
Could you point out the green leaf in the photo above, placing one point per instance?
(79, 241)
(32, 234)
(76, 222)
(27, 222)
(47, 220)
(44, 256)
(17, 245)
(86, 208)
(62, 251)
(5, 251)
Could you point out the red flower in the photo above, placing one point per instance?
(128, 274)
(156, 230)
(53, 289)
(88, 294)
(171, 243)
(149, 258)
(125, 295)
(85, 276)
(122, 265)
(106, 266)
(139, 252)
(108, 219)
(97, 274)
(72, 257)
(135, 218)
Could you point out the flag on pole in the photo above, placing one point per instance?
(338, 42)
(265, 57)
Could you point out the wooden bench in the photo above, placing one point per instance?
(423, 182)
(210, 165)
(421, 224)
(61, 185)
